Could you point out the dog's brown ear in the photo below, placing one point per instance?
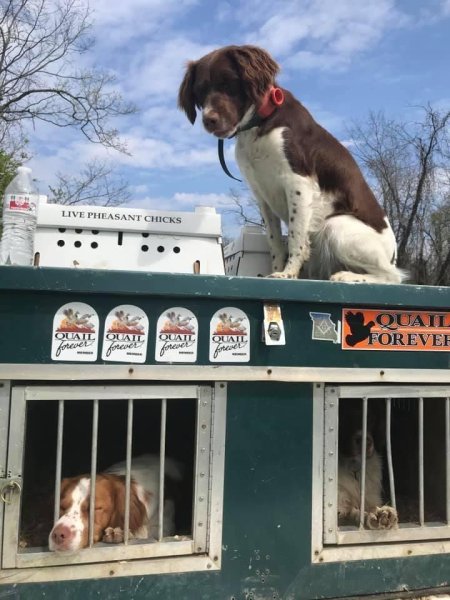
(257, 69)
(186, 98)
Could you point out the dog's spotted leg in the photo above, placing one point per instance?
(273, 231)
(299, 197)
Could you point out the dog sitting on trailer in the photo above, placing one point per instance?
(298, 172)
(376, 514)
(71, 531)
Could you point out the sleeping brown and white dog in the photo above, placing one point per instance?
(71, 531)
(299, 173)
(376, 514)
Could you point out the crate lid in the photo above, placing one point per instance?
(203, 221)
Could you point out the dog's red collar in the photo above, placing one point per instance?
(272, 99)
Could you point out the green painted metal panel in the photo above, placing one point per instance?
(268, 471)
(29, 299)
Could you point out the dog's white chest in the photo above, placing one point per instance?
(264, 165)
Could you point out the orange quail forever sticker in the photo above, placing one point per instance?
(368, 329)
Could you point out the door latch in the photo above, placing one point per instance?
(273, 327)
(8, 487)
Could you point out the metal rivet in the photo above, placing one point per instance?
(202, 474)
(330, 504)
(203, 426)
(201, 498)
(200, 524)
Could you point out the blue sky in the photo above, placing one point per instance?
(341, 58)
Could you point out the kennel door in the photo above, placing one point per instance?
(132, 408)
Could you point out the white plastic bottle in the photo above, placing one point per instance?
(19, 220)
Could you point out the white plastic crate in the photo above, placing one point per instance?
(248, 255)
(129, 238)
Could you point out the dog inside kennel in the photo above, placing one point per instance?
(73, 433)
(406, 462)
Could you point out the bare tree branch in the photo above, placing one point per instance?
(408, 165)
(40, 42)
(96, 185)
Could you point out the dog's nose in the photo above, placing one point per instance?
(210, 120)
(61, 534)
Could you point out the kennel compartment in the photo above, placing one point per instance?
(260, 439)
(409, 430)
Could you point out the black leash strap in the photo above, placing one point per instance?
(223, 164)
(254, 122)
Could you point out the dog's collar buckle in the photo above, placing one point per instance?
(272, 99)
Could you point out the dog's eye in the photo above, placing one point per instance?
(229, 87)
(233, 87)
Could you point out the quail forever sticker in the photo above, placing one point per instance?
(229, 336)
(126, 335)
(75, 333)
(176, 336)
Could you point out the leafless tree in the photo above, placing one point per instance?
(408, 165)
(40, 44)
(243, 208)
(96, 184)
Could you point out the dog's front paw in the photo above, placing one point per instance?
(281, 275)
(113, 535)
(384, 517)
(349, 277)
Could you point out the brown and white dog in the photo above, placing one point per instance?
(299, 173)
(70, 532)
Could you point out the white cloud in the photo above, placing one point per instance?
(322, 34)
(157, 69)
(190, 199)
(183, 201)
(116, 23)
(446, 7)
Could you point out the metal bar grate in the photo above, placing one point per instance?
(162, 468)
(421, 468)
(94, 447)
(447, 457)
(126, 525)
(389, 453)
(59, 447)
(401, 415)
(363, 463)
(87, 424)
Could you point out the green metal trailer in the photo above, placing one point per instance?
(256, 421)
